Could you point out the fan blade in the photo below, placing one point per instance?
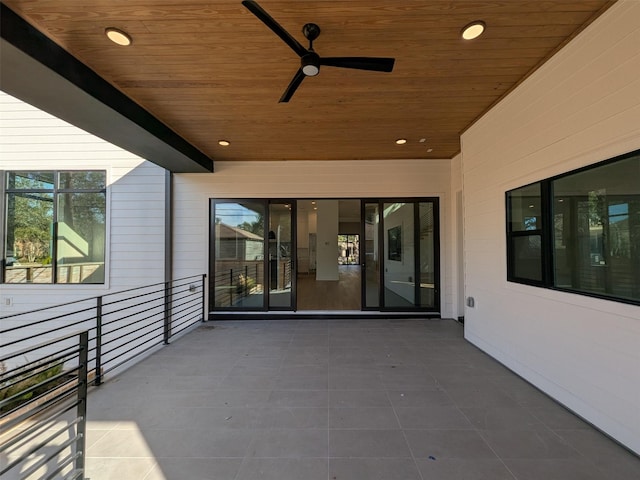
(293, 86)
(375, 64)
(262, 15)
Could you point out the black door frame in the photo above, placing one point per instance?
(266, 202)
(416, 239)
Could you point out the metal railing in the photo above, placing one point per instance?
(233, 284)
(104, 333)
(44, 409)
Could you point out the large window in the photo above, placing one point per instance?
(579, 231)
(55, 227)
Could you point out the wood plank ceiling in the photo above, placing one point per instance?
(211, 70)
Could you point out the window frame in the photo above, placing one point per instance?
(547, 234)
(5, 191)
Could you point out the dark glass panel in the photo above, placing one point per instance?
(527, 257)
(597, 230)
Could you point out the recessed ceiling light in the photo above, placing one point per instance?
(422, 140)
(224, 143)
(429, 150)
(118, 36)
(401, 141)
(473, 30)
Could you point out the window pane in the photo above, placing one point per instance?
(371, 260)
(427, 256)
(239, 255)
(527, 257)
(81, 237)
(28, 247)
(525, 208)
(83, 180)
(30, 180)
(280, 250)
(399, 255)
(597, 230)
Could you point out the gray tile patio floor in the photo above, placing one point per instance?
(336, 400)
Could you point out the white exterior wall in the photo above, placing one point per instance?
(31, 139)
(455, 270)
(581, 107)
(304, 179)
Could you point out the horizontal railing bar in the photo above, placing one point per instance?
(43, 460)
(47, 402)
(26, 350)
(19, 372)
(132, 348)
(162, 284)
(33, 388)
(187, 311)
(179, 323)
(57, 317)
(63, 463)
(134, 322)
(147, 320)
(88, 299)
(197, 320)
(151, 324)
(128, 307)
(129, 359)
(74, 475)
(43, 425)
(186, 306)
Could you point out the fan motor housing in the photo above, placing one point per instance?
(310, 64)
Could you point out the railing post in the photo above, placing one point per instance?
(231, 287)
(98, 380)
(204, 306)
(83, 359)
(167, 313)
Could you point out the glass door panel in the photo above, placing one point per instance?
(370, 260)
(399, 255)
(239, 255)
(281, 250)
(427, 255)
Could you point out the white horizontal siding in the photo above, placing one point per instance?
(581, 107)
(305, 179)
(34, 140)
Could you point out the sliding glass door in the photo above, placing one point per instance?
(251, 251)
(238, 244)
(281, 255)
(401, 267)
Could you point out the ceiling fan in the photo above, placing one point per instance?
(310, 61)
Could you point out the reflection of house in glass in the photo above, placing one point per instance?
(237, 244)
(239, 265)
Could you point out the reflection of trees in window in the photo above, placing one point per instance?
(590, 230)
(72, 202)
(31, 217)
